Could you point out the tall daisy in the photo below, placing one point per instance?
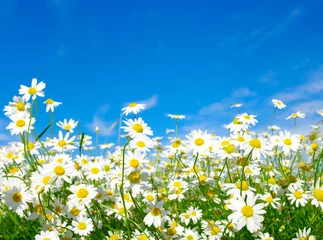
(137, 128)
(134, 108)
(33, 91)
(247, 213)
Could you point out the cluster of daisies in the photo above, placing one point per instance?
(246, 185)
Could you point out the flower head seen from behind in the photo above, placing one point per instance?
(296, 115)
(134, 108)
(278, 104)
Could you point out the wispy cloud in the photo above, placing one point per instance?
(309, 107)
(150, 102)
(225, 103)
(303, 91)
(302, 64)
(106, 128)
(268, 78)
(275, 30)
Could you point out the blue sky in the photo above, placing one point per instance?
(195, 58)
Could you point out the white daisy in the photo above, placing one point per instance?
(134, 108)
(33, 91)
(51, 104)
(137, 128)
(82, 226)
(68, 126)
(21, 122)
(278, 104)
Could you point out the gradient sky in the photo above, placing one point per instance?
(195, 58)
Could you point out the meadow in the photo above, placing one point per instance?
(61, 184)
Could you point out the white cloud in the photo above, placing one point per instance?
(303, 91)
(225, 103)
(106, 128)
(309, 107)
(242, 92)
(268, 77)
(277, 29)
(150, 102)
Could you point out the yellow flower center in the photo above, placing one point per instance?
(236, 121)
(81, 225)
(272, 181)
(17, 197)
(107, 168)
(142, 237)
(224, 143)
(247, 211)
(114, 237)
(20, 106)
(203, 179)
(134, 177)
(171, 231)
(31, 145)
(150, 197)
(67, 127)
(294, 115)
(46, 238)
(314, 146)
(49, 101)
(75, 211)
(82, 193)
(156, 212)
(13, 170)
(59, 170)
(138, 127)
(46, 179)
(215, 230)
(132, 104)
(269, 199)
(32, 91)
(20, 123)
(298, 194)
(247, 117)
(10, 155)
(61, 143)
(140, 144)
(189, 237)
(241, 139)
(288, 141)
(134, 163)
(199, 141)
(177, 184)
(244, 186)
(95, 170)
(176, 143)
(38, 208)
(255, 143)
(318, 194)
(228, 148)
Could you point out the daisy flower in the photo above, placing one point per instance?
(82, 194)
(134, 108)
(16, 197)
(20, 123)
(247, 119)
(176, 116)
(320, 112)
(289, 142)
(190, 234)
(278, 104)
(269, 200)
(317, 196)
(82, 226)
(44, 235)
(155, 215)
(236, 125)
(168, 131)
(237, 105)
(301, 235)
(264, 236)
(239, 189)
(60, 171)
(67, 126)
(257, 147)
(247, 213)
(297, 196)
(198, 142)
(17, 106)
(141, 144)
(51, 104)
(63, 142)
(137, 128)
(33, 91)
(94, 171)
(296, 115)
